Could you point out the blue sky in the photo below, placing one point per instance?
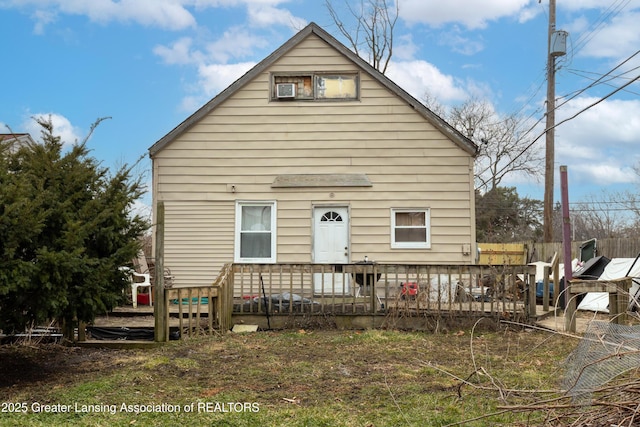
(149, 64)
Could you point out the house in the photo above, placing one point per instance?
(313, 156)
(15, 141)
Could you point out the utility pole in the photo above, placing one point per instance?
(550, 134)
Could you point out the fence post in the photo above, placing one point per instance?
(570, 310)
(531, 278)
(160, 309)
(228, 309)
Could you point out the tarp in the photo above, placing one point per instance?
(540, 265)
(616, 269)
(591, 269)
(121, 333)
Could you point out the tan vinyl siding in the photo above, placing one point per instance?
(248, 140)
(198, 239)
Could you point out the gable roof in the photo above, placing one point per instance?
(16, 141)
(454, 135)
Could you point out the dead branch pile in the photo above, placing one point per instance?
(601, 387)
(617, 404)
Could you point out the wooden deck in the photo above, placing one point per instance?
(346, 296)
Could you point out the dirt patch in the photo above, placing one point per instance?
(22, 365)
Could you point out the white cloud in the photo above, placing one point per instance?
(234, 43)
(266, 15)
(216, 77)
(418, 77)
(62, 127)
(404, 48)
(599, 146)
(575, 5)
(167, 14)
(607, 172)
(212, 60)
(43, 18)
(619, 38)
(471, 14)
(191, 103)
(570, 149)
(461, 44)
(611, 123)
(214, 71)
(233, 3)
(179, 52)
(529, 13)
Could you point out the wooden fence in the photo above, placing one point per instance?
(611, 248)
(502, 253)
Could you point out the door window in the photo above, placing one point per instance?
(331, 217)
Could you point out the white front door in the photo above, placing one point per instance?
(331, 246)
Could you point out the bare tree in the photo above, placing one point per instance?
(371, 33)
(503, 146)
(607, 215)
(434, 105)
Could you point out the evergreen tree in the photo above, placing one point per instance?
(503, 217)
(66, 226)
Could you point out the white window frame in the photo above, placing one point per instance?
(240, 204)
(411, 245)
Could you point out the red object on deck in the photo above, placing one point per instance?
(144, 299)
(409, 289)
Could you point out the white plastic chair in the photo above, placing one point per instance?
(145, 283)
(138, 280)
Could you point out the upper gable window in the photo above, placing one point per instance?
(336, 86)
(315, 87)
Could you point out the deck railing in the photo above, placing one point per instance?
(193, 302)
(356, 289)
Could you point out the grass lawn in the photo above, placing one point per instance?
(288, 378)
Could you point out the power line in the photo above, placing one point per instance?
(611, 12)
(598, 80)
(568, 98)
(578, 207)
(599, 101)
(584, 76)
(576, 93)
(566, 120)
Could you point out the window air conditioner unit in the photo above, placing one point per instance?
(286, 90)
